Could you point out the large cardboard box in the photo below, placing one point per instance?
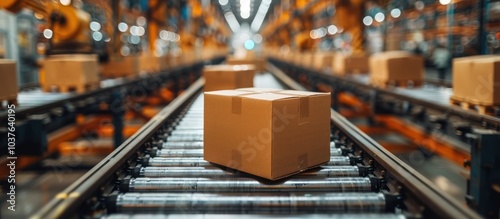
(464, 77)
(8, 84)
(268, 134)
(477, 80)
(66, 71)
(121, 67)
(152, 64)
(354, 63)
(224, 77)
(260, 63)
(396, 66)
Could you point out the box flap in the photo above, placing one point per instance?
(259, 90)
(229, 92)
(300, 93)
(269, 96)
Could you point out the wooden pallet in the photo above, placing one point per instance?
(397, 83)
(70, 88)
(4, 101)
(481, 108)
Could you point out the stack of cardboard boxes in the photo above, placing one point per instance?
(476, 80)
(397, 67)
(77, 72)
(8, 84)
(266, 132)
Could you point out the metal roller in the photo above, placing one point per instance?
(182, 145)
(198, 161)
(325, 171)
(232, 216)
(175, 162)
(249, 203)
(178, 153)
(183, 132)
(341, 184)
(185, 138)
(199, 152)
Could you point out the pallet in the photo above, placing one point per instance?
(397, 83)
(70, 88)
(4, 101)
(481, 108)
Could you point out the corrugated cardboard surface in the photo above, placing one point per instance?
(484, 82)
(71, 70)
(8, 82)
(343, 64)
(223, 77)
(396, 65)
(268, 134)
(466, 80)
(121, 66)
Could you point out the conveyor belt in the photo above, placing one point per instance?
(160, 171)
(215, 190)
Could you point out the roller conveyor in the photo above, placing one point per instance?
(341, 184)
(198, 161)
(324, 171)
(251, 203)
(193, 152)
(231, 216)
(182, 185)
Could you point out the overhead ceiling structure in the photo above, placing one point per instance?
(252, 12)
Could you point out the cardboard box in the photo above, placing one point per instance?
(260, 63)
(344, 64)
(267, 134)
(8, 84)
(306, 59)
(152, 64)
(396, 66)
(70, 71)
(464, 77)
(224, 77)
(174, 60)
(121, 67)
(322, 60)
(476, 79)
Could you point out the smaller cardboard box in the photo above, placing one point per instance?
(464, 77)
(344, 64)
(70, 70)
(483, 86)
(306, 59)
(152, 64)
(8, 84)
(396, 66)
(260, 63)
(268, 134)
(121, 67)
(322, 60)
(224, 77)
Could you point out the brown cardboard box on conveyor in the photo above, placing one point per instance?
(268, 133)
(223, 77)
